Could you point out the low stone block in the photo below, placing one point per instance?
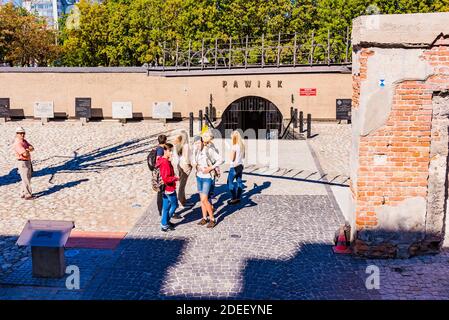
(48, 262)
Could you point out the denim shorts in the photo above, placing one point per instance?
(204, 185)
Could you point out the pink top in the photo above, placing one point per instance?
(20, 147)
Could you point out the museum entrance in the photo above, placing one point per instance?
(252, 112)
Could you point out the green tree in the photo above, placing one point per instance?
(84, 43)
(25, 39)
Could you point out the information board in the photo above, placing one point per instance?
(122, 110)
(162, 110)
(83, 107)
(43, 109)
(307, 92)
(344, 109)
(4, 107)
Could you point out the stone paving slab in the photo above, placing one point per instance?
(86, 260)
(275, 245)
(233, 257)
(95, 175)
(94, 240)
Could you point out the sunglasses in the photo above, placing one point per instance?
(21, 133)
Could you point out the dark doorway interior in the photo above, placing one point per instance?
(251, 112)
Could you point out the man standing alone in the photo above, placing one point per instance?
(22, 150)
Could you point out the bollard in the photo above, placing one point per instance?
(309, 125)
(301, 122)
(295, 118)
(191, 124)
(200, 118)
(214, 114)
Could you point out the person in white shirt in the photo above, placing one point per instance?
(206, 159)
(236, 167)
(184, 165)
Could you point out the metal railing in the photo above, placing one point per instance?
(282, 50)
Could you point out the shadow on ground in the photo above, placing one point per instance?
(97, 160)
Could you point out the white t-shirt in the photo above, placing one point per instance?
(201, 161)
(238, 156)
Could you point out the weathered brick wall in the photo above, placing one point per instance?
(393, 161)
(360, 76)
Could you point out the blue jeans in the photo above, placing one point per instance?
(169, 205)
(235, 173)
(205, 185)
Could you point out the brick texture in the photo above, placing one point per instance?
(404, 141)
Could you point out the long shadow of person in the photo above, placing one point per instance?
(224, 209)
(245, 202)
(59, 187)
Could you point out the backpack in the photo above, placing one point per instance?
(151, 159)
(156, 180)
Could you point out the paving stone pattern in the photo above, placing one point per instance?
(271, 246)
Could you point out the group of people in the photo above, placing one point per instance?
(201, 156)
(205, 160)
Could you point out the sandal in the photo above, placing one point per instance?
(202, 222)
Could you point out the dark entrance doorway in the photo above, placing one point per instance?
(252, 112)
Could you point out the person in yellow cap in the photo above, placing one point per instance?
(23, 149)
(206, 160)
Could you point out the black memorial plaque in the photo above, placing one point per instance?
(344, 109)
(4, 107)
(83, 107)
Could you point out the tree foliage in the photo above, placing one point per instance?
(134, 32)
(25, 39)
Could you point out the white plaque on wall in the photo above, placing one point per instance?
(43, 109)
(162, 110)
(122, 110)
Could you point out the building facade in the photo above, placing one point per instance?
(51, 10)
(246, 93)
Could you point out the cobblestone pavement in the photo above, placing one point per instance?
(272, 246)
(332, 143)
(95, 175)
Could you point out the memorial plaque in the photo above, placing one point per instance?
(344, 109)
(122, 110)
(45, 233)
(43, 109)
(163, 110)
(83, 107)
(4, 107)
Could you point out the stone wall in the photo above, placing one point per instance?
(188, 91)
(399, 130)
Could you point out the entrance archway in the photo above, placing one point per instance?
(251, 112)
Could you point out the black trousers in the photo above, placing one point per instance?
(159, 201)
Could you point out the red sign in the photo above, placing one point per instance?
(307, 92)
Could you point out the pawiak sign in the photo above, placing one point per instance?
(122, 110)
(43, 109)
(162, 110)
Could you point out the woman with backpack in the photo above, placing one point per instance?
(169, 199)
(182, 151)
(206, 160)
(236, 167)
(152, 157)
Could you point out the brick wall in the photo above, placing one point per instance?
(394, 159)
